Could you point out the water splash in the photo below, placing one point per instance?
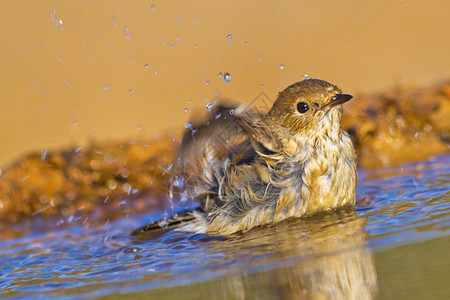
(226, 77)
(127, 33)
(58, 22)
(44, 154)
(406, 211)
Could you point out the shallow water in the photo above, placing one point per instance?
(394, 245)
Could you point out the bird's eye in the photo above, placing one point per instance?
(302, 107)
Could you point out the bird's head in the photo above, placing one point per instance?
(311, 104)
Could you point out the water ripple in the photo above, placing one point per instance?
(396, 206)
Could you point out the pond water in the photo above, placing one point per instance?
(394, 245)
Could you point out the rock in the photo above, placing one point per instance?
(400, 125)
(101, 182)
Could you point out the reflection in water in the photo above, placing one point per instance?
(404, 220)
(322, 257)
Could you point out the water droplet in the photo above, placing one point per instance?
(246, 42)
(186, 110)
(153, 6)
(262, 85)
(178, 182)
(232, 111)
(112, 184)
(207, 82)
(281, 67)
(146, 66)
(126, 187)
(220, 75)
(196, 46)
(188, 125)
(209, 106)
(78, 149)
(229, 36)
(58, 22)
(177, 38)
(131, 91)
(44, 154)
(227, 77)
(305, 77)
(163, 223)
(106, 87)
(127, 33)
(139, 127)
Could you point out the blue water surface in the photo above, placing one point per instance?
(341, 253)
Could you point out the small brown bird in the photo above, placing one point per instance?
(247, 169)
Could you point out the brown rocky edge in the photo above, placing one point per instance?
(107, 180)
(400, 125)
(100, 182)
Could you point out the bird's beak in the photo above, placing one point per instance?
(336, 100)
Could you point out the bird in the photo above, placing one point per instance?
(247, 169)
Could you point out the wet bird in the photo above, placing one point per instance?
(248, 169)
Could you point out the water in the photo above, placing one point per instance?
(394, 245)
(227, 77)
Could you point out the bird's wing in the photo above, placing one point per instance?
(231, 136)
(226, 133)
(221, 136)
(254, 125)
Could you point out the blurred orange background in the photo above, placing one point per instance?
(76, 70)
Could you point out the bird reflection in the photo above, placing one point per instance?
(321, 257)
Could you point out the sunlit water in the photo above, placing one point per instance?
(396, 244)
